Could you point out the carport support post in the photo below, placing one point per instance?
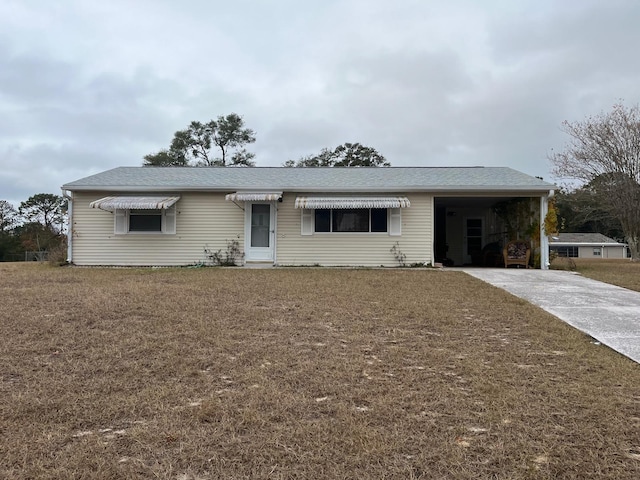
(544, 238)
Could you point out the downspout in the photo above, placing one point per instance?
(69, 225)
(544, 237)
(275, 233)
(432, 233)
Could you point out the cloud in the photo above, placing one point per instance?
(88, 86)
(37, 169)
(60, 122)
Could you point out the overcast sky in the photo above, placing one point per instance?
(88, 85)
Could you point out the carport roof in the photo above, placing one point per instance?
(361, 179)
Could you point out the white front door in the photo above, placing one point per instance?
(259, 231)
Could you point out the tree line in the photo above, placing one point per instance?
(36, 225)
(602, 155)
(222, 143)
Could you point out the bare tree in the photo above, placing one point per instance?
(8, 216)
(580, 210)
(604, 152)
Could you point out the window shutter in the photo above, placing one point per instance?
(120, 221)
(306, 222)
(395, 222)
(169, 220)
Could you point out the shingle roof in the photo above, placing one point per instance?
(451, 179)
(586, 238)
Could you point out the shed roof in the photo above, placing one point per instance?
(362, 179)
(583, 238)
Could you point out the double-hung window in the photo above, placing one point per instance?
(132, 221)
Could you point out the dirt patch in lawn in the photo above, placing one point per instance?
(301, 373)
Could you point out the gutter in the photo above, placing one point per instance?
(583, 244)
(66, 195)
(438, 190)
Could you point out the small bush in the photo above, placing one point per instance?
(563, 263)
(400, 257)
(57, 256)
(231, 257)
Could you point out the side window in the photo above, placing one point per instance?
(379, 220)
(565, 251)
(323, 220)
(145, 220)
(161, 221)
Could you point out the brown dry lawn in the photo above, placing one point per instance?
(301, 373)
(623, 273)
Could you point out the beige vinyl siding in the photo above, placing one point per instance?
(358, 249)
(606, 252)
(202, 220)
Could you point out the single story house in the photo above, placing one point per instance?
(171, 216)
(587, 245)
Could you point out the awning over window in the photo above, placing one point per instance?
(352, 202)
(253, 197)
(134, 203)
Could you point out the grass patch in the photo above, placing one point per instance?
(301, 373)
(623, 273)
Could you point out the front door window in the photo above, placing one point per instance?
(260, 224)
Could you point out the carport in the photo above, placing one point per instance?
(472, 230)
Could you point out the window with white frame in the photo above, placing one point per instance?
(362, 220)
(597, 252)
(145, 220)
(131, 221)
(351, 220)
(565, 251)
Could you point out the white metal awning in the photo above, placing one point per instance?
(134, 203)
(352, 202)
(253, 197)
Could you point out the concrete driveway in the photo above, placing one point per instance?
(608, 313)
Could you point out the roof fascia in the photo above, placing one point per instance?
(587, 244)
(442, 191)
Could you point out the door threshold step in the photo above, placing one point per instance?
(258, 264)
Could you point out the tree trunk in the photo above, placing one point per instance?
(634, 245)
